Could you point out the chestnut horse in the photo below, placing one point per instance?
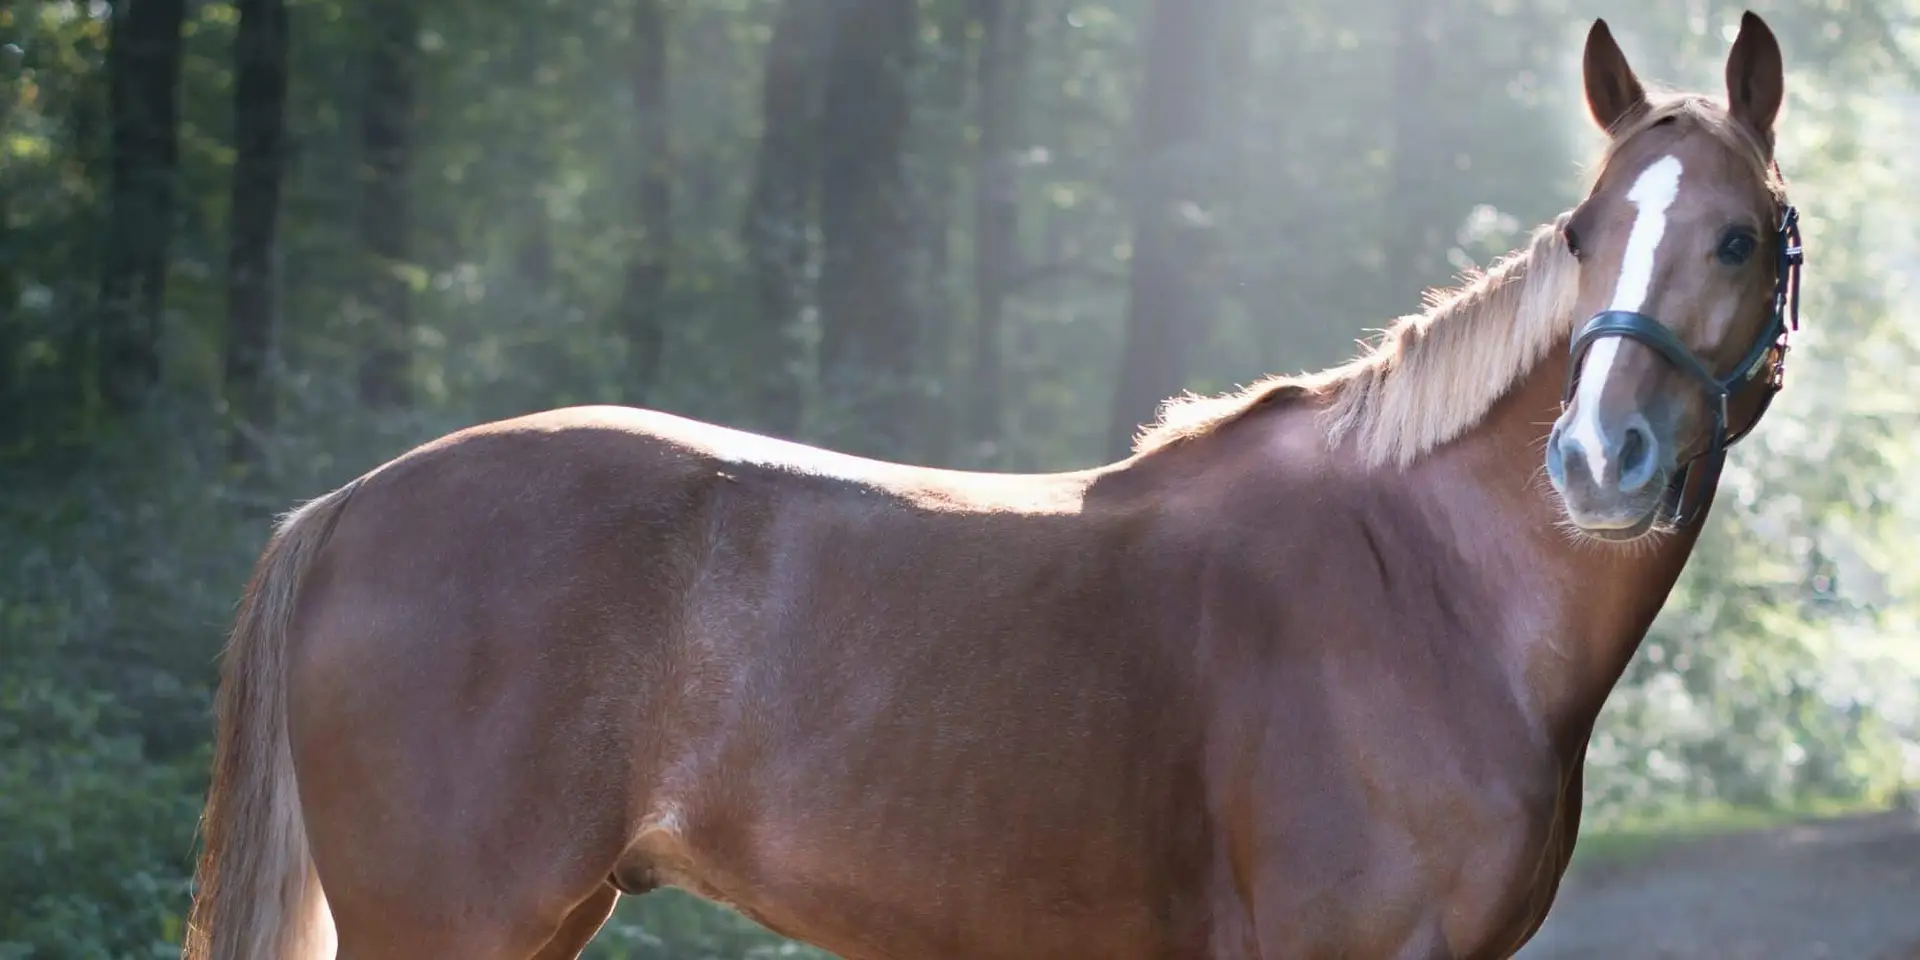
(1311, 674)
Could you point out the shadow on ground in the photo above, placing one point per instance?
(1844, 889)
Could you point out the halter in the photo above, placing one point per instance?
(1769, 352)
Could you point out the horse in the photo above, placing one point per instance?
(1311, 672)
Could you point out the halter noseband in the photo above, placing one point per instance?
(1685, 496)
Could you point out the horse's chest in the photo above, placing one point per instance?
(1392, 831)
(1446, 873)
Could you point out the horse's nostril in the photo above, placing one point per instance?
(1633, 449)
(1557, 455)
(1636, 458)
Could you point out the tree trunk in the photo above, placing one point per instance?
(1001, 78)
(1168, 306)
(386, 164)
(1416, 228)
(10, 386)
(641, 300)
(143, 71)
(259, 107)
(777, 228)
(9, 294)
(867, 349)
(528, 167)
(936, 148)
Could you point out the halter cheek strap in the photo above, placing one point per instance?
(1687, 494)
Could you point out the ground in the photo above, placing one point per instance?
(1845, 889)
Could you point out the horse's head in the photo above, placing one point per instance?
(1686, 248)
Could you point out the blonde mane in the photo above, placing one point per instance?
(1433, 375)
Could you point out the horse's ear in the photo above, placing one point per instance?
(1613, 92)
(1756, 81)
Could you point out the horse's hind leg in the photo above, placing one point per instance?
(417, 931)
(421, 858)
(580, 926)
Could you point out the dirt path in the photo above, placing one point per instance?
(1844, 889)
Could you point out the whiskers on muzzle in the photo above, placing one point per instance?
(1610, 474)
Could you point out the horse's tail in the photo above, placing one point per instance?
(258, 897)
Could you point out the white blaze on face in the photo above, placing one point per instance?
(1652, 194)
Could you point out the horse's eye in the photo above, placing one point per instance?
(1736, 247)
(1573, 240)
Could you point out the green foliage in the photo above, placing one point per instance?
(1650, 833)
(94, 834)
(112, 589)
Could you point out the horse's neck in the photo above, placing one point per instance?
(1580, 608)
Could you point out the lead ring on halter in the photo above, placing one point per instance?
(1769, 352)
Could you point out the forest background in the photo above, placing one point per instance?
(251, 249)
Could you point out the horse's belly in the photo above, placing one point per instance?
(865, 892)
